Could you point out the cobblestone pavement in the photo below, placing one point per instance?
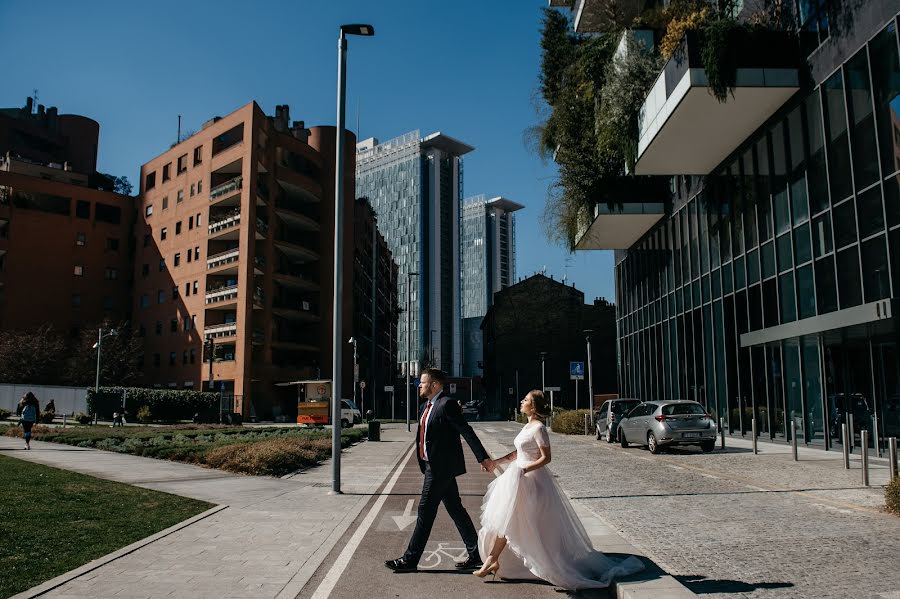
(734, 524)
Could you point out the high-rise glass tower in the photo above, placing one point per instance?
(488, 265)
(415, 185)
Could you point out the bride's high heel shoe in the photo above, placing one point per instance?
(490, 566)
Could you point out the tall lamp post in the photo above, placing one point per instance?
(587, 337)
(543, 356)
(364, 30)
(409, 277)
(356, 373)
(97, 346)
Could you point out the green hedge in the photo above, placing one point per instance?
(892, 496)
(570, 422)
(164, 404)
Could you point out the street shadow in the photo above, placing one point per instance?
(45, 450)
(713, 493)
(701, 585)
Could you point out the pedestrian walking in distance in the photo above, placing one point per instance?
(30, 414)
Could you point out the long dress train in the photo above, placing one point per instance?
(545, 538)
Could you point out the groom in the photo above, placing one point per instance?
(440, 456)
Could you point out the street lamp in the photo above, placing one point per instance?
(543, 356)
(587, 337)
(356, 373)
(97, 346)
(409, 277)
(364, 30)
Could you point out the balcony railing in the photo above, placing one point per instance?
(221, 294)
(225, 189)
(258, 296)
(221, 330)
(220, 224)
(262, 226)
(223, 258)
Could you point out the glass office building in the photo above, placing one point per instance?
(488, 265)
(415, 186)
(767, 285)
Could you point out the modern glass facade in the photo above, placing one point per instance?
(414, 185)
(770, 289)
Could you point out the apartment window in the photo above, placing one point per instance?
(80, 238)
(177, 258)
(199, 220)
(184, 357)
(150, 181)
(189, 256)
(147, 238)
(197, 253)
(193, 189)
(198, 155)
(162, 233)
(161, 296)
(112, 244)
(79, 270)
(174, 292)
(187, 289)
(190, 223)
(159, 327)
(111, 274)
(148, 211)
(193, 358)
(162, 264)
(145, 301)
(200, 186)
(156, 360)
(178, 228)
(167, 172)
(182, 163)
(76, 299)
(187, 324)
(165, 202)
(179, 197)
(145, 270)
(82, 209)
(195, 287)
(173, 325)
(172, 358)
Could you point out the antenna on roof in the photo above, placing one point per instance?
(35, 103)
(178, 139)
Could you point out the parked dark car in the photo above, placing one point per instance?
(658, 424)
(607, 418)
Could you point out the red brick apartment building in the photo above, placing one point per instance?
(234, 242)
(64, 240)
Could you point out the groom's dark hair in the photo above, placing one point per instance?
(437, 375)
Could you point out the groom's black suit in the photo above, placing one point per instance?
(444, 463)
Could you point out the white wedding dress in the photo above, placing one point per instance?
(545, 538)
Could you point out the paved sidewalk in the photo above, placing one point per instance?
(267, 543)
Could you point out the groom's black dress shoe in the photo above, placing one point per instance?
(400, 565)
(472, 562)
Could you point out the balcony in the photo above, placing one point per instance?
(684, 129)
(295, 252)
(626, 209)
(217, 331)
(595, 16)
(259, 265)
(262, 194)
(226, 190)
(295, 280)
(296, 220)
(297, 310)
(221, 223)
(228, 258)
(262, 228)
(259, 298)
(299, 186)
(222, 296)
(258, 337)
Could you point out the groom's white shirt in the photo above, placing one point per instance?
(429, 407)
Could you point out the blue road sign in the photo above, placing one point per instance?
(576, 371)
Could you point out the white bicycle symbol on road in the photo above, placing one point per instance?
(432, 559)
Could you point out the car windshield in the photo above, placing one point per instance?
(677, 409)
(346, 404)
(623, 407)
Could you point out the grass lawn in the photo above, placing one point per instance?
(52, 521)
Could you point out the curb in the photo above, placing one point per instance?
(62, 579)
(651, 583)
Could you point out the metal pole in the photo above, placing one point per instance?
(408, 346)
(892, 456)
(393, 417)
(97, 380)
(864, 449)
(337, 335)
(590, 379)
(794, 439)
(753, 433)
(851, 430)
(576, 394)
(845, 446)
(356, 380)
(586, 423)
(722, 431)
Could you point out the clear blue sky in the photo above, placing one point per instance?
(468, 68)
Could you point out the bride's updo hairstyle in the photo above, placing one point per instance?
(540, 403)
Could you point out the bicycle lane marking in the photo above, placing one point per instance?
(328, 583)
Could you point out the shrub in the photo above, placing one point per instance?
(892, 496)
(143, 415)
(275, 457)
(165, 404)
(16, 431)
(4, 414)
(569, 422)
(47, 417)
(82, 418)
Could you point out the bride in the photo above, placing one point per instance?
(526, 511)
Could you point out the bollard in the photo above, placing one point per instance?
(845, 446)
(851, 431)
(892, 457)
(864, 454)
(722, 431)
(586, 421)
(753, 432)
(794, 439)
(65, 419)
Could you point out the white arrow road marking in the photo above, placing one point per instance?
(407, 518)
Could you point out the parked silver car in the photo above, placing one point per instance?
(607, 418)
(657, 424)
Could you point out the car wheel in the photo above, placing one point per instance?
(345, 423)
(609, 435)
(652, 445)
(622, 441)
(707, 446)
